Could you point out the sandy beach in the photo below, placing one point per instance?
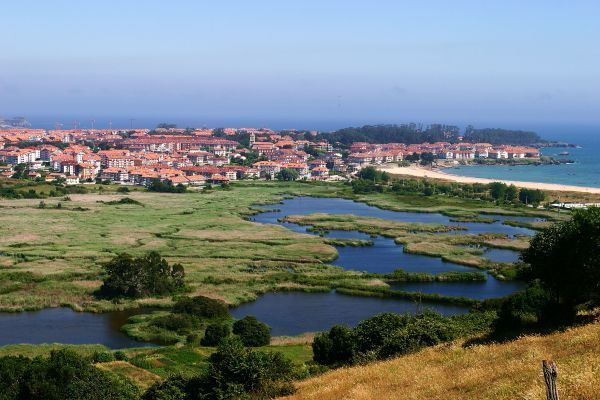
(423, 172)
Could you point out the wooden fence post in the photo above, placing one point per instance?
(550, 373)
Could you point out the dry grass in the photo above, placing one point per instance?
(140, 376)
(499, 371)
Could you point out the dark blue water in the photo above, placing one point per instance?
(385, 256)
(63, 325)
(292, 313)
(502, 255)
(312, 205)
(475, 290)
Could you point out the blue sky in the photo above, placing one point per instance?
(303, 62)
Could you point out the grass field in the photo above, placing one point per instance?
(51, 256)
(508, 371)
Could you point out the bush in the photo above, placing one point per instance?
(525, 309)
(424, 330)
(102, 356)
(386, 335)
(63, 375)
(252, 332)
(180, 323)
(165, 187)
(214, 333)
(371, 333)
(193, 339)
(202, 307)
(121, 356)
(140, 277)
(234, 372)
(123, 189)
(564, 258)
(334, 347)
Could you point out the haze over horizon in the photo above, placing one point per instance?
(335, 64)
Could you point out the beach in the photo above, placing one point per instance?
(424, 172)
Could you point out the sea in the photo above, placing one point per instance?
(583, 171)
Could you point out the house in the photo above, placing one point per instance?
(269, 168)
(497, 154)
(300, 168)
(200, 157)
(217, 179)
(319, 172)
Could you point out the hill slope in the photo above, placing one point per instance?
(510, 370)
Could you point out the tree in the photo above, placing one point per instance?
(372, 174)
(165, 125)
(511, 193)
(215, 333)
(334, 347)
(565, 257)
(427, 158)
(498, 190)
(142, 276)
(252, 332)
(165, 187)
(362, 186)
(21, 171)
(288, 174)
(531, 196)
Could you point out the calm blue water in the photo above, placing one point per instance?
(63, 325)
(475, 290)
(385, 255)
(312, 205)
(584, 172)
(292, 313)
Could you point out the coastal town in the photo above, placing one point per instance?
(199, 157)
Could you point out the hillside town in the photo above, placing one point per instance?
(197, 157)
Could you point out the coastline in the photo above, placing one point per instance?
(422, 172)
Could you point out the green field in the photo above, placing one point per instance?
(52, 257)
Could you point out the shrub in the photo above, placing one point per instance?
(180, 323)
(424, 330)
(63, 375)
(252, 332)
(102, 356)
(371, 333)
(123, 189)
(234, 372)
(202, 307)
(525, 309)
(334, 347)
(564, 258)
(386, 335)
(121, 356)
(214, 333)
(192, 339)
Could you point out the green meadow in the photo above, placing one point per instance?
(52, 256)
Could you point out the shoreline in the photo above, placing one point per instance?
(422, 172)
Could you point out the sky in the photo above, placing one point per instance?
(303, 63)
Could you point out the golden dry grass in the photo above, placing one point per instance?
(139, 376)
(509, 370)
